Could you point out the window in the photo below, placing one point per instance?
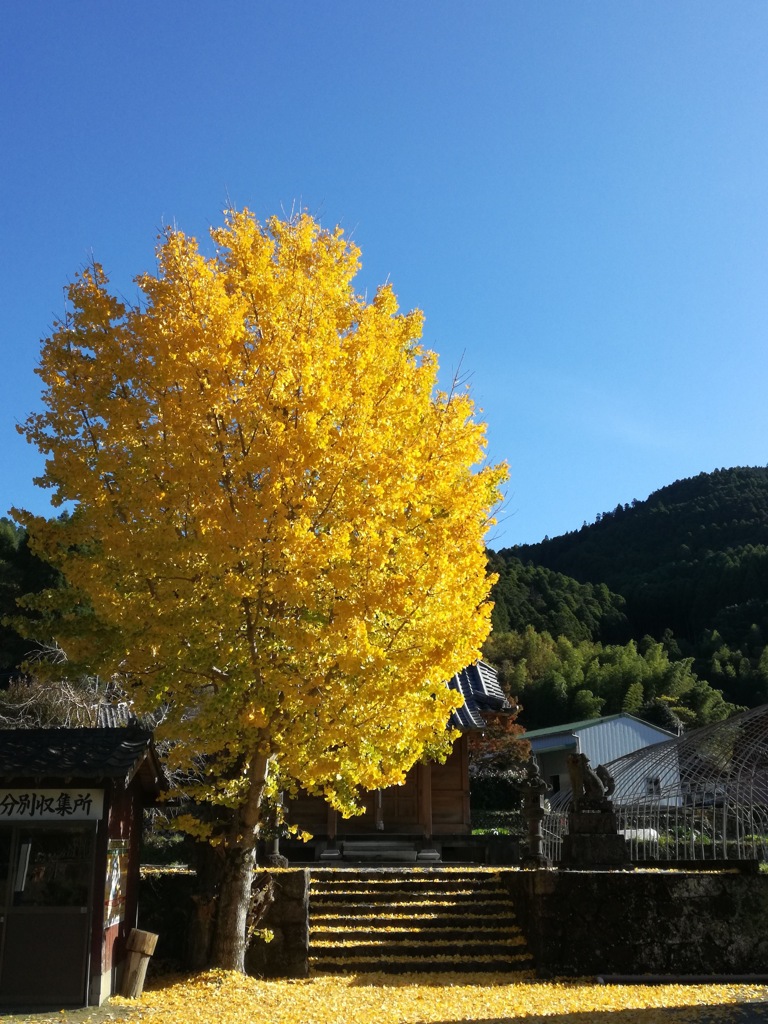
(653, 786)
(53, 867)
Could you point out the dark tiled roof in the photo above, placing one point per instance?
(43, 754)
(480, 688)
(121, 716)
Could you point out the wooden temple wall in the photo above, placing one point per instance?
(433, 800)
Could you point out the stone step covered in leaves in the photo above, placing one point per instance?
(397, 920)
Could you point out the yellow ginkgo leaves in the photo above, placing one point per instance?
(428, 999)
(278, 521)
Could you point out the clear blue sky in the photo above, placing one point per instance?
(575, 193)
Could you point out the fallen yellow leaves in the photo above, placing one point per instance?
(374, 918)
(370, 922)
(160, 870)
(408, 940)
(448, 893)
(444, 958)
(416, 999)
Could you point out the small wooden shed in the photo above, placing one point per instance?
(71, 803)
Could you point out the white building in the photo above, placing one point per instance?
(601, 739)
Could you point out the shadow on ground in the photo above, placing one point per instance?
(748, 1011)
(87, 1015)
(745, 1013)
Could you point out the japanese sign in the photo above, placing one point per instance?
(51, 804)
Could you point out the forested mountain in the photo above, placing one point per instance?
(21, 573)
(531, 595)
(682, 558)
(687, 569)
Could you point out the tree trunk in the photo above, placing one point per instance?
(230, 938)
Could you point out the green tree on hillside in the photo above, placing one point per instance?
(21, 572)
(689, 563)
(530, 595)
(558, 681)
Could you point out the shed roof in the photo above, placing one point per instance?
(601, 739)
(479, 686)
(46, 754)
(588, 723)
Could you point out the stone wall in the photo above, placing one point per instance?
(171, 906)
(286, 955)
(167, 907)
(643, 922)
(576, 922)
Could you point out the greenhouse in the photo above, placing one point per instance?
(703, 796)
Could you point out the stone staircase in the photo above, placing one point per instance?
(386, 851)
(397, 920)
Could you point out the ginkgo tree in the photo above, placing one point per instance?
(277, 520)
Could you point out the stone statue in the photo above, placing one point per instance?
(593, 839)
(588, 784)
(607, 779)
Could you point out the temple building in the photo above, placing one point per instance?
(422, 820)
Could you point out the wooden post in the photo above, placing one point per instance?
(379, 811)
(425, 799)
(332, 824)
(140, 946)
(463, 746)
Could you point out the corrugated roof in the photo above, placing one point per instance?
(78, 754)
(587, 723)
(479, 686)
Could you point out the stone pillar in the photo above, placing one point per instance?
(534, 810)
(534, 790)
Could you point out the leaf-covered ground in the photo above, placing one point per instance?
(218, 996)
